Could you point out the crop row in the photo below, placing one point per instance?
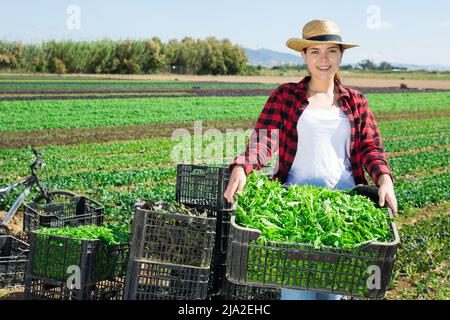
(97, 179)
(432, 284)
(424, 245)
(423, 260)
(33, 115)
(125, 85)
(423, 191)
(87, 95)
(416, 142)
(119, 189)
(410, 126)
(147, 153)
(155, 152)
(419, 162)
(391, 129)
(119, 205)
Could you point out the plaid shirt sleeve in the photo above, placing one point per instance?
(373, 155)
(264, 140)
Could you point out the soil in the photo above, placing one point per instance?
(12, 294)
(165, 93)
(19, 139)
(16, 223)
(414, 151)
(420, 214)
(407, 283)
(355, 82)
(402, 284)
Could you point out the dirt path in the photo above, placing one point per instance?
(428, 212)
(16, 223)
(176, 93)
(358, 82)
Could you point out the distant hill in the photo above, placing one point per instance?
(270, 58)
(413, 67)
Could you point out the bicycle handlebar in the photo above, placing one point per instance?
(38, 163)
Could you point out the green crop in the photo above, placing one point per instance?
(168, 207)
(310, 215)
(91, 113)
(175, 233)
(53, 256)
(109, 234)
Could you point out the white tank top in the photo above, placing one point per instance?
(323, 151)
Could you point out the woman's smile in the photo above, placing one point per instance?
(325, 68)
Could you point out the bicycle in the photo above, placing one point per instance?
(45, 194)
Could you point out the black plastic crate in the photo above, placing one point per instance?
(222, 235)
(218, 263)
(147, 280)
(244, 292)
(300, 266)
(38, 289)
(49, 272)
(76, 212)
(217, 280)
(173, 238)
(13, 261)
(220, 288)
(202, 185)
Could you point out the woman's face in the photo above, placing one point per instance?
(323, 60)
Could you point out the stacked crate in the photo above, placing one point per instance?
(14, 252)
(78, 211)
(63, 268)
(201, 186)
(170, 255)
(13, 260)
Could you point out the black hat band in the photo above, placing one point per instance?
(326, 37)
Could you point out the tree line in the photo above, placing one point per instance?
(191, 56)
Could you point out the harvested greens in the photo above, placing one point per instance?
(175, 233)
(310, 215)
(109, 234)
(54, 256)
(167, 207)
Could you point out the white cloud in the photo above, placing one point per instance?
(445, 24)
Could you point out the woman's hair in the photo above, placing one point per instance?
(337, 76)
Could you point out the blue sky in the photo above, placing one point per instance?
(415, 32)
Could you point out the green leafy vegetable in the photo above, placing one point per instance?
(109, 234)
(310, 215)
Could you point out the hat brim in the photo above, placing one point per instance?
(300, 44)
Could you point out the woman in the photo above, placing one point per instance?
(324, 132)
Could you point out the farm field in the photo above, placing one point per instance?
(112, 141)
(414, 79)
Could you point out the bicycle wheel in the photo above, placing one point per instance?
(56, 196)
(4, 230)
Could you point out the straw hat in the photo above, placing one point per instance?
(318, 32)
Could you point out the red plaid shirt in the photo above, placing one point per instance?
(279, 119)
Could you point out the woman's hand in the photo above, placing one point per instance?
(236, 184)
(386, 193)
